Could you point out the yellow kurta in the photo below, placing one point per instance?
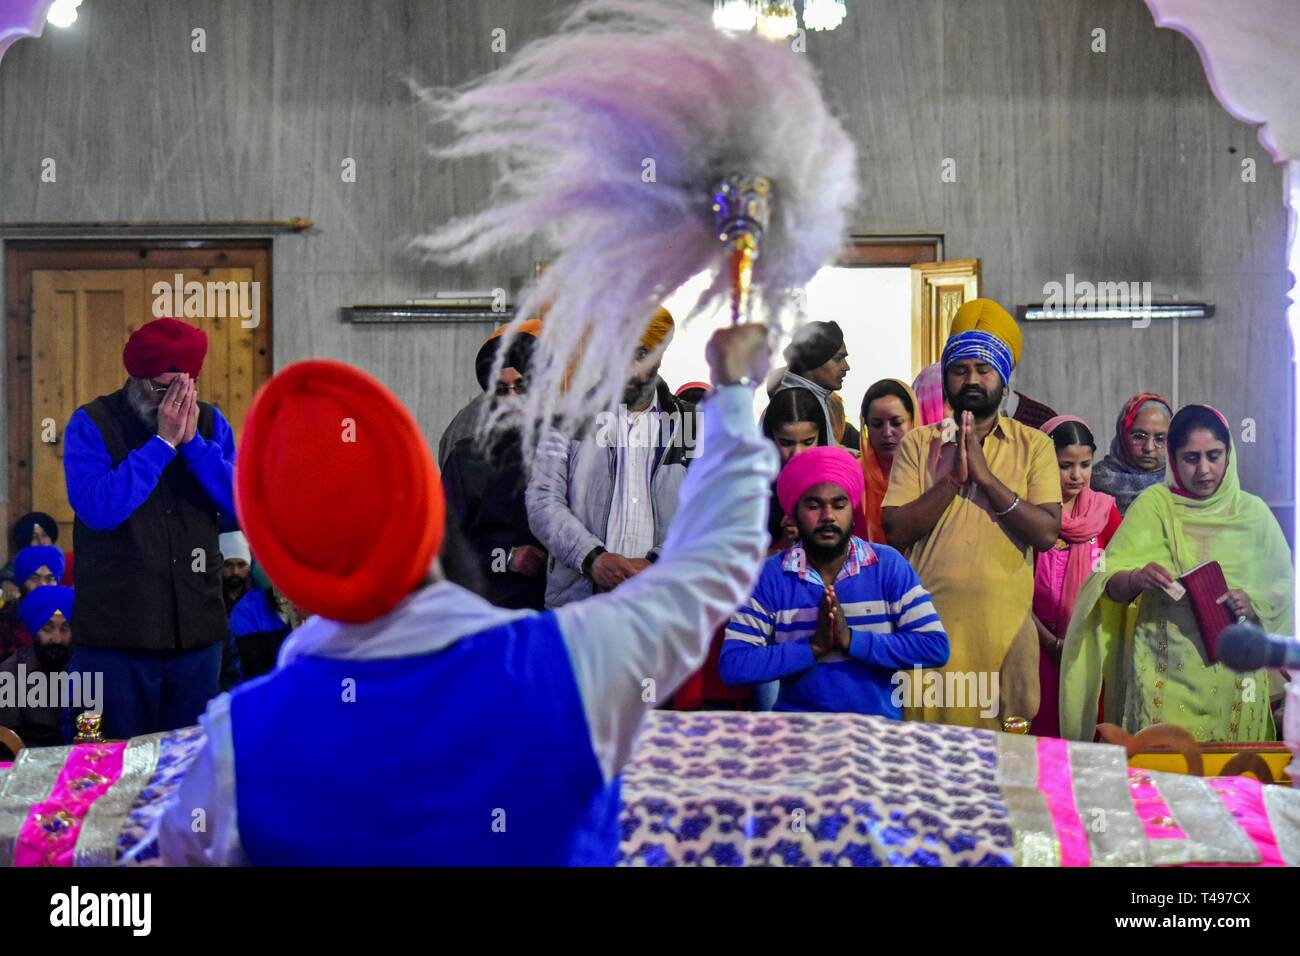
(980, 577)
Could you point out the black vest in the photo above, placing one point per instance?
(137, 587)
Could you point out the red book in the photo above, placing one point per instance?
(1205, 585)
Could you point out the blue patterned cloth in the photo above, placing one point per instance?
(980, 345)
(137, 844)
(746, 789)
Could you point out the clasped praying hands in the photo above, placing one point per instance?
(832, 632)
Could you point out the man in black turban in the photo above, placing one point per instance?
(492, 550)
(817, 360)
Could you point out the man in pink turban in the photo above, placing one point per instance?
(838, 621)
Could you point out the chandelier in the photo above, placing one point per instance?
(823, 14)
(776, 19)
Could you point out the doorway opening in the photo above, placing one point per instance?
(891, 296)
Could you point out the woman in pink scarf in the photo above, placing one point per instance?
(1088, 519)
(928, 388)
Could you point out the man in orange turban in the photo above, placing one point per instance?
(465, 422)
(149, 470)
(473, 734)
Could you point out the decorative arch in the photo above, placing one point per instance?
(20, 19)
(1250, 52)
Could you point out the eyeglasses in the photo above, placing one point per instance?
(1142, 437)
(156, 387)
(519, 388)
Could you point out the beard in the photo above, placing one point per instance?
(140, 397)
(977, 401)
(53, 657)
(505, 419)
(235, 588)
(638, 393)
(820, 553)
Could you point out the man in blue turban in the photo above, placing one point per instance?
(38, 565)
(972, 512)
(46, 612)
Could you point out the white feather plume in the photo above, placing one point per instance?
(609, 137)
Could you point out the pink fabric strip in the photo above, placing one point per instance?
(49, 834)
(1244, 799)
(1056, 784)
(1151, 808)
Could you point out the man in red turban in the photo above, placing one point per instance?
(149, 471)
(163, 347)
(474, 734)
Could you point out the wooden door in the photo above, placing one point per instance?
(938, 291)
(81, 320)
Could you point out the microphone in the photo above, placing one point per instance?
(1245, 647)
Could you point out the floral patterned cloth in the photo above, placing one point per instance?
(780, 789)
(177, 751)
(746, 789)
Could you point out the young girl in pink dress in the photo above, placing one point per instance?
(1088, 519)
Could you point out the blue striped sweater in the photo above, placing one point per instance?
(893, 623)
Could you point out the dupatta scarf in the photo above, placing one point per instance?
(1081, 523)
(867, 523)
(1115, 474)
(825, 397)
(1166, 525)
(927, 391)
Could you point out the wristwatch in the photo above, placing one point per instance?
(590, 559)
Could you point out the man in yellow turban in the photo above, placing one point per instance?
(986, 315)
(972, 511)
(601, 502)
(659, 331)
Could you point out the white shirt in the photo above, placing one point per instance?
(630, 530)
(630, 648)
